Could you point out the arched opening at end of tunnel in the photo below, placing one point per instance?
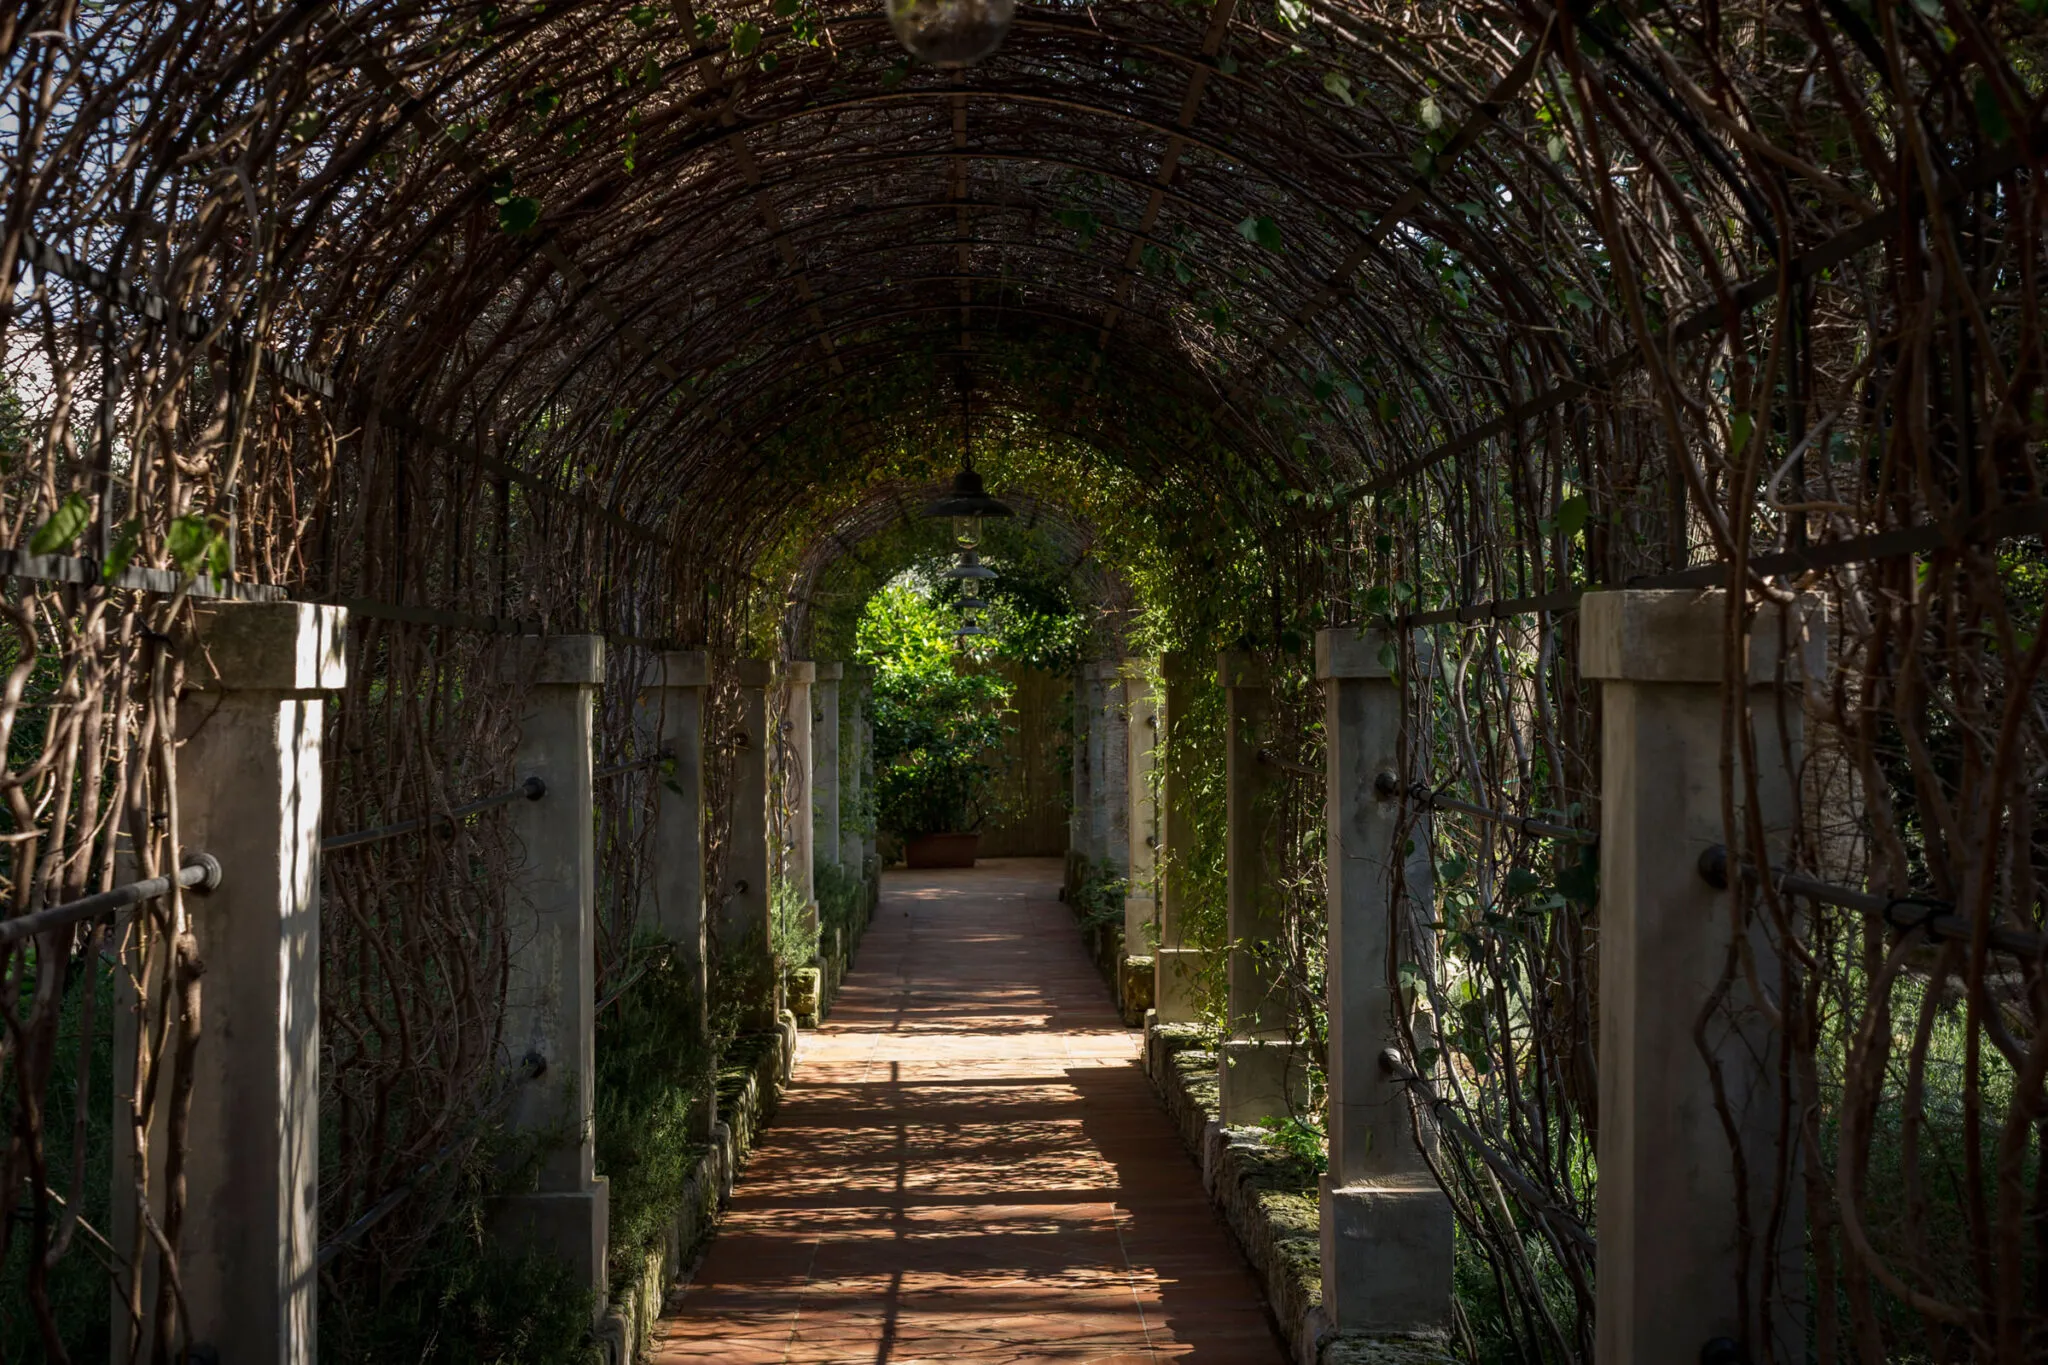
(1495, 704)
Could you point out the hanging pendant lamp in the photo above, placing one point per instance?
(970, 566)
(968, 502)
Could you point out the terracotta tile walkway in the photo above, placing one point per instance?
(971, 1167)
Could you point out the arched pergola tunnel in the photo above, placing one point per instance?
(1617, 425)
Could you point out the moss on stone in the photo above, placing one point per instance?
(1269, 1199)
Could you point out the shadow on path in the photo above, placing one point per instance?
(971, 1166)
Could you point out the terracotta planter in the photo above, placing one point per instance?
(942, 850)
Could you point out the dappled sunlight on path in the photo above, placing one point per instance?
(971, 1166)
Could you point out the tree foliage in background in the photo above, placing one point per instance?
(938, 729)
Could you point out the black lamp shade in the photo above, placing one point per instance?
(967, 499)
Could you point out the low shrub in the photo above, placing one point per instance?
(652, 1072)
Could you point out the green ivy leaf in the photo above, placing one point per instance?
(517, 214)
(122, 552)
(745, 38)
(1260, 231)
(1571, 514)
(1990, 118)
(1521, 882)
(63, 527)
(1582, 883)
(191, 543)
(1339, 86)
(1738, 433)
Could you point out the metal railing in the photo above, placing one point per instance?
(1926, 914)
(612, 996)
(200, 872)
(531, 1067)
(617, 768)
(1423, 795)
(532, 789)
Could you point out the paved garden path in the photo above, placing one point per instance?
(971, 1166)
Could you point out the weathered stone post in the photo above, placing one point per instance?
(797, 677)
(853, 765)
(1259, 1076)
(551, 927)
(825, 755)
(1108, 755)
(1386, 1224)
(743, 901)
(1141, 832)
(1176, 966)
(249, 792)
(1082, 850)
(1668, 1204)
(671, 706)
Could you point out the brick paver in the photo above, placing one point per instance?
(971, 1166)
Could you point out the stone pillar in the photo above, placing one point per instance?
(551, 927)
(671, 706)
(248, 784)
(743, 915)
(1177, 965)
(853, 761)
(1259, 1076)
(1109, 820)
(1141, 809)
(1386, 1224)
(825, 754)
(1081, 851)
(797, 677)
(742, 923)
(1668, 1208)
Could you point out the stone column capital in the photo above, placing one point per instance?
(799, 671)
(1675, 635)
(1355, 652)
(678, 668)
(753, 672)
(268, 647)
(1240, 668)
(830, 672)
(556, 660)
(1367, 654)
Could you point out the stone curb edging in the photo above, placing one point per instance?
(749, 1089)
(750, 1084)
(1268, 1200)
